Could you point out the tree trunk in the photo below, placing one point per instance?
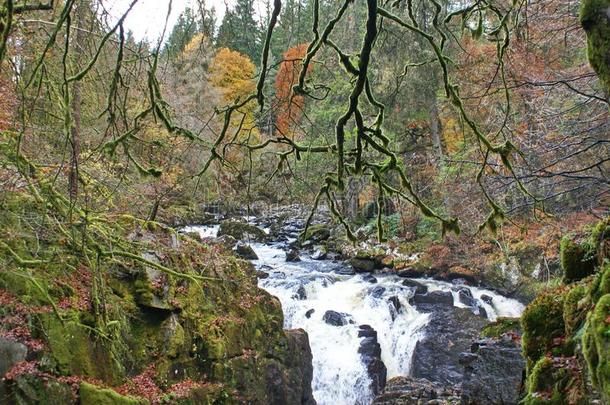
(435, 130)
(75, 105)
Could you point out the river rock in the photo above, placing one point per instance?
(261, 274)
(295, 387)
(245, 251)
(493, 372)
(293, 255)
(416, 391)
(395, 303)
(369, 278)
(449, 332)
(418, 287)
(301, 294)
(345, 271)
(241, 231)
(487, 299)
(433, 297)
(309, 313)
(319, 254)
(465, 296)
(370, 352)
(361, 265)
(378, 291)
(335, 318)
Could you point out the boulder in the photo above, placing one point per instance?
(370, 353)
(487, 299)
(319, 254)
(493, 372)
(449, 332)
(298, 382)
(335, 318)
(363, 265)
(394, 303)
(433, 297)
(378, 291)
(465, 296)
(416, 391)
(292, 255)
(241, 231)
(316, 233)
(245, 251)
(416, 286)
(309, 313)
(369, 278)
(301, 294)
(261, 274)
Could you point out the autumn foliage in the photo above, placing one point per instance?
(289, 107)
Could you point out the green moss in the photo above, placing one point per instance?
(577, 259)
(596, 346)
(575, 308)
(93, 395)
(500, 327)
(542, 321)
(551, 383)
(316, 233)
(241, 230)
(594, 19)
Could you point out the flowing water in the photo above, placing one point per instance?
(340, 376)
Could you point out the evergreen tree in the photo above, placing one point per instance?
(185, 29)
(240, 32)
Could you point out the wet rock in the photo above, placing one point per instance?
(241, 231)
(301, 294)
(418, 287)
(309, 313)
(416, 391)
(378, 291)
(345, 271)
(465, 296)
(261, 274)
(368, 278)
(486, 299)
(335, 318)
(449, 332)
(363, 265)
(395, 303)
(493, 372)
(411, 272)
(297, 383)
(293, 255)
(367, 331)
(370, 352)
(433, 297)
(319, 254)
(245, 251)
(316, 233)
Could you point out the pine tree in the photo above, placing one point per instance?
(240, 32)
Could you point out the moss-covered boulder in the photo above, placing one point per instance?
(577, 258)
(502, 326)
(595, 19)
(542, 323)
(316, 233)
(596, 346)
(555, 381)
(241, 231)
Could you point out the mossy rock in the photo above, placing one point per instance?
(502, 326)
(575, 308)
(596, 346)
(241, 231)
(541, 322)
(595, 20)
(577, 259)
(316, 233)
(94, 395)
(32, 390)
(553, 381)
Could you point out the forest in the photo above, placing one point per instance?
(305, 201)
